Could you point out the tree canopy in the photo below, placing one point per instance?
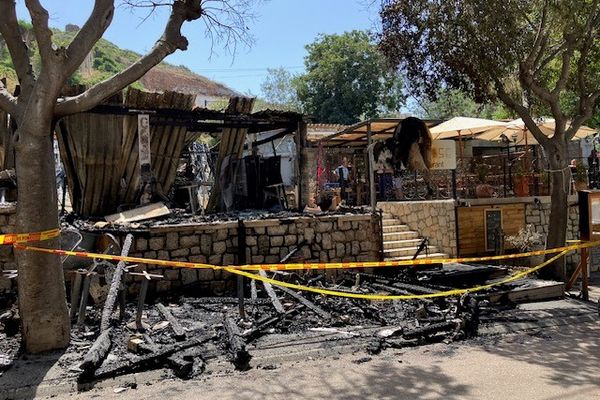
(278, 89)
(538, 57)
(347, 79)
(449, 103)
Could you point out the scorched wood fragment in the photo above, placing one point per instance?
(178, 331)
(96, 355)
(237, 346)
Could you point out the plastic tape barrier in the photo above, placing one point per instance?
(304, 266)
(453, 292)
(14, 238)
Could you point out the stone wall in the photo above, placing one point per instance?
(329, 239)
(538, 214)
(434, 220)
(7, 261)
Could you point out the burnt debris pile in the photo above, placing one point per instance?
(183, 332)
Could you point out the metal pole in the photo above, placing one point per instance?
(454, 195)
(372, 177)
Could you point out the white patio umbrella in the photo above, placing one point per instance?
(517, 132)
(459, 127)
(463, 126)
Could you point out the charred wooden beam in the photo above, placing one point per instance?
(237, 346)
(430, 330)
(309, 304)
(178, 331)
(111, 298)
(387, 288)
(272, 295)
(187, 364)
(148, 361)
(267, 322)
(97, 353)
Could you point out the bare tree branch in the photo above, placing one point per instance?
(523, 113)
(93, 29)
(43, 34)
(8, 103)
(9, 29)
(170, 41)
(586, 107)
(541, 38)
(565, 66)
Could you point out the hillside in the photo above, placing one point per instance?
(107, 59)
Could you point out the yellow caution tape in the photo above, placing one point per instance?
(304, 266)
(453, 292)
(13, 238)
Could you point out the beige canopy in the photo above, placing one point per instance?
(458, 127)
(517, 132)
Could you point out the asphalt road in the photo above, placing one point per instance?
(554, 363)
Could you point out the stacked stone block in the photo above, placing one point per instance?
(329, 239)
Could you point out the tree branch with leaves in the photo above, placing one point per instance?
(541, 50)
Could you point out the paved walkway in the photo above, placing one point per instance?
(556, 363)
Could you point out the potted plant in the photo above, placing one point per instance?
(544, 187)
(521, 182)
(581, 177)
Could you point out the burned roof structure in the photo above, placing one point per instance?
(101, 153)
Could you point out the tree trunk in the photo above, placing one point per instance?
(42, 297)
(559, 208)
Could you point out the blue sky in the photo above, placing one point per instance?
(281, 30)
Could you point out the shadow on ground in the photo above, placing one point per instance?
(571, 355)
(377, 381)
(27, 372)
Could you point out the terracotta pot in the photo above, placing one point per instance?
(581, 186)
(521, 186)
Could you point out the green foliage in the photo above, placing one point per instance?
(108, 59)
(581, 173)
(512, 49)
(347, 80)
(278, 90)
(451, 103)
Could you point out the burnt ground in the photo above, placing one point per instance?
(303, 325)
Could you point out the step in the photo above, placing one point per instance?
(405, 251)
(404, 258)
(392, 236)
(400, 244)
(391, 221)
(396, 228)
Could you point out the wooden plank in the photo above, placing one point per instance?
(528, 290)
(139, 214)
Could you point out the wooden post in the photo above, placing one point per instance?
(145, 158)
(584, 274)
(241, 234)
(75, 291)
(140, 307)
(84, 299)
(142, 297)
(300, 167)
(373, 199)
